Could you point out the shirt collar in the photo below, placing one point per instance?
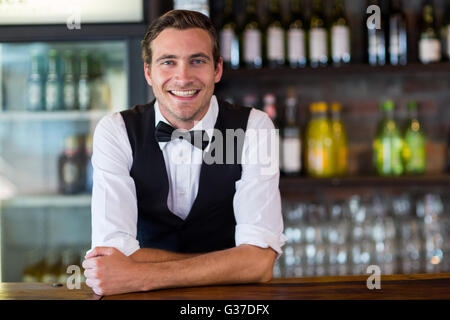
(206, 123)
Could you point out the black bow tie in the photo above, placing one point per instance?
(165, 133)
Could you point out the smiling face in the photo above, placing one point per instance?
(182, 74)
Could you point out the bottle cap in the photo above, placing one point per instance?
(387, 105)
(336, 106)
(412, 105)
(269, 98)
(318, 107)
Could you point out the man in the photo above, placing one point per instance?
(161, 216)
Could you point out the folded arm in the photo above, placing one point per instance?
(108, 271)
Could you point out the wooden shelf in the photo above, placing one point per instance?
(298, 184)
(264, 74)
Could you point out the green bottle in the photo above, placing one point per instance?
(414, 154)
(52, 85)
(388, 144)
(69, 85)
(35, 85)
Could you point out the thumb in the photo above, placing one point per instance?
(99, 251)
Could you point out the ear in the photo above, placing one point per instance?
(219, 70)
(147, 70)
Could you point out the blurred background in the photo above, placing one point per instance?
(362, 108)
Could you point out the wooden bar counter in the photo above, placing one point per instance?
(405, 287)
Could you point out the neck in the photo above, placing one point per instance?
(185, 124)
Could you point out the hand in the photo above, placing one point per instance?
(108, 271)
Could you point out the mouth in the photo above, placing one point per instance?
(184, 94)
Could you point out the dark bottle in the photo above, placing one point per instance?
(35, 86)
(71, 167)
(376, 39)
(275, 37)
(446, 31)
(69, 84)
(252, 37)
(84, 92)
(318, 43)
(340, 35)
(229, 41)
(296, 36)
(398, 39)
(52, 85)
(429, 44)
(291, 145)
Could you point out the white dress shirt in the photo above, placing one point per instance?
(256, 203)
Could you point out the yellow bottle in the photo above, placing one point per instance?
(339, 140)
(319, 143)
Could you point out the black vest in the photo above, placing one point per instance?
(210, 225)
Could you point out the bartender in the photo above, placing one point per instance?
(162, 215)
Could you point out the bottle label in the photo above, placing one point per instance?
(291, 154)
(83, 95)
(394, 45)
(51, 96)
(448, 41)
(252, 46)
(275, 43)
(429, 50)
(318, 44)
(296, 45)
(69, 96)
(340, 41)
(226, 41)
(34, 95)
(70, 173)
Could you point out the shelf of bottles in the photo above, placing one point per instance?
(53, 95)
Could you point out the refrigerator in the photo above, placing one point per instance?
(62, 69)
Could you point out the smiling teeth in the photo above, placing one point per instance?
(189, 93)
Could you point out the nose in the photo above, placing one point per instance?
(184, 73)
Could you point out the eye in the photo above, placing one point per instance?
(198, 61)
(167, 62)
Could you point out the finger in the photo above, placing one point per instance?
(99, 251)
(91, 263)
(90, 274)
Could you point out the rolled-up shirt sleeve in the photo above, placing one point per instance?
(114, 204)
(257, 201)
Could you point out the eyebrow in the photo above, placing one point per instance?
(192, 56)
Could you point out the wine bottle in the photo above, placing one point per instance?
(291, 142)
(340, 35)
(252, 37)
(398, 53)
(318, 48)
(296, 41)
(229, 41)
(429, 44)
(446, 31)
(275, 36)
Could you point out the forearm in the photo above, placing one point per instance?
(243, 264)
(158, 255)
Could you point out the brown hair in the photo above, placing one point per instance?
(181, 20)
